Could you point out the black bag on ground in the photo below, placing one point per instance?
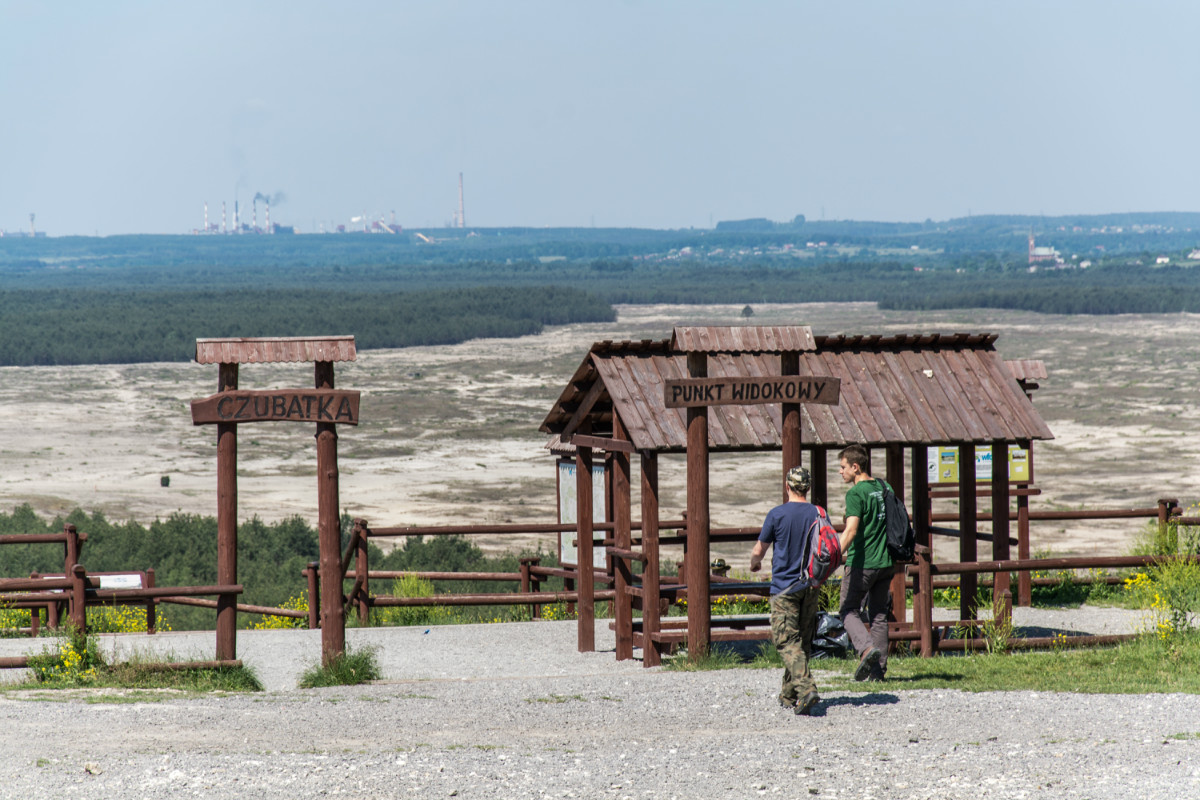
(901, 540)
(830, 639)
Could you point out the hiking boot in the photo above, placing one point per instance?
(878, 674)
(787, 702)
(807, 704)
(870, 658)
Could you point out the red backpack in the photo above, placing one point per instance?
(824, 552)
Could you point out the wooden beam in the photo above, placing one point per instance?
(601, 443)
(585, 406)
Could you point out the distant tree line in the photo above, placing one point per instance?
(81, 326)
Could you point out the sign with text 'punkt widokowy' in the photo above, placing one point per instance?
(691, 392)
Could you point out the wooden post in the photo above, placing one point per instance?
(314, 595)
(1024, 577)
(329, 531)
(622, 517)
(70, 548)
(651, 653)
(895, 479)
(924, 589)
(820, 478)
(919, 509)
(362, 572)
(968, 530)
(151, 605)
(531, 582)
(1001, 583)
(585, 617)
(79, 598)
(789, 364)
(227, 504)
(699, 613)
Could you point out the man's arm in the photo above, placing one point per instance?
(756, 556)
(850, 532)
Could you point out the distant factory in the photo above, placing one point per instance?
(241, 226)
(32, 233)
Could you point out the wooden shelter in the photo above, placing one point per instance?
(896, 393)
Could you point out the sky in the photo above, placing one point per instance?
(126, 117)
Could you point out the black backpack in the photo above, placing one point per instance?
(901, 540)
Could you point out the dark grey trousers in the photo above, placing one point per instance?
(872, 584)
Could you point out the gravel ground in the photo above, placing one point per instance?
(512, 711)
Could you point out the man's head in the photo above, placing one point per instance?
(852, 462)
(798, 481)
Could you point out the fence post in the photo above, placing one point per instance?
(1024, 577)
(1166, 507)
(71, 548)
(314, 596)
(35, 615)
(362, 572)
(924, 590)
(79, 598)
(531, 583)
(151, 605)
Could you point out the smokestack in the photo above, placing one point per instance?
(206, 216)
(254, 215)
(235, 217)
(223, 229)
(268, 203)
(462, 222)
(32, 230)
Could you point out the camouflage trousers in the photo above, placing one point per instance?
(793, 623)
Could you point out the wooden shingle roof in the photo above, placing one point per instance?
(907, 389)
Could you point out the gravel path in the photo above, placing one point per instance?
(512, 711)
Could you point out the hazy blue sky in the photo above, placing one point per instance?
(119, 117)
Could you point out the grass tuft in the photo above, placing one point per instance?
(348, 669)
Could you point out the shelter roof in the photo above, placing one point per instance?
(906, 389)
(268, 350)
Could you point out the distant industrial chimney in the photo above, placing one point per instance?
(235, 217)
(223, 229)
(206, 216)
(254, 215)
(32, 230)
(268, 204)
(462, 222)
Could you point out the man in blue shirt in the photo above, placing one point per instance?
(793, 601)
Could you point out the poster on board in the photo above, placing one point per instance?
(568, 553)
(942, 464)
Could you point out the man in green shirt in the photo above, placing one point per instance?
(868, 571)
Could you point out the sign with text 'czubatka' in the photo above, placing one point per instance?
(278, 405)
(690, 392)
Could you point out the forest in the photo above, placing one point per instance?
(127, 299)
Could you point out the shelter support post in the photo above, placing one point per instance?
(622, 501)
(820, 477)
(329, 533)
(789, 364)
(585, 608)
(1001, 584)
(697, 558)
(968, 528)
(895, 478)
(362, 571)
(227, 504)
(919, 510)
(651, 652)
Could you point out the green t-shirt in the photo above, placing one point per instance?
(869, 548)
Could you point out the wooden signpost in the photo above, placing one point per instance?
(322, 405)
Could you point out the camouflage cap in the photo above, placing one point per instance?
(798, 480)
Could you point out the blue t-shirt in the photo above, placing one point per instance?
(786, 530)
